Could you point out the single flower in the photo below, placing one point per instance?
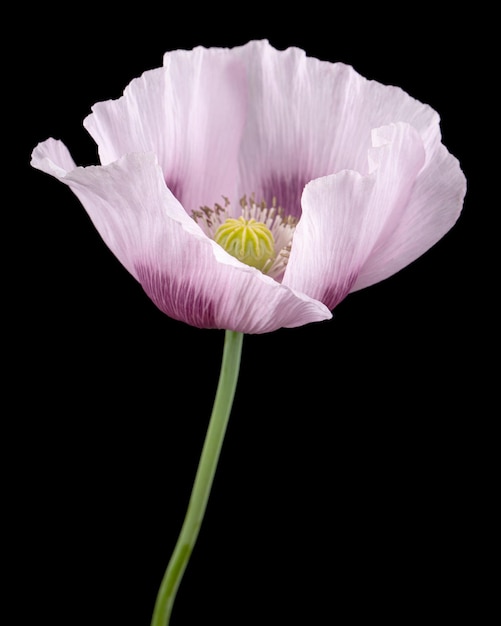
(252, 189)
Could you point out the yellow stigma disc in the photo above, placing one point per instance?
(248, 241)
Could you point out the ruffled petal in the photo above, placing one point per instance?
(186, 274)
(432, 209)
(190, 113)
(346, 216)
(52, 157)
(326, 253)
(309, 118)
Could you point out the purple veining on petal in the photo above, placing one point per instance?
(180, 300)
(287, 190)
(334, 294)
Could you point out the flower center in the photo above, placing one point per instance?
(254, 234)
(247, 240)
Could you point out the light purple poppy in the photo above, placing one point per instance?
(252, 189)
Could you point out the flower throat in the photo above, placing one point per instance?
(256, 235)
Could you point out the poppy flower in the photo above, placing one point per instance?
(252, 189)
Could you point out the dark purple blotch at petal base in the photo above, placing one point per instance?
(180, 299)
(286, 191)
(336, 293)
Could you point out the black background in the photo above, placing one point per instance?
(351, 483)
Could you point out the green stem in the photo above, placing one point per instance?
(203, 480)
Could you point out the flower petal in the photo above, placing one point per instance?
(52, 157)
(433, 206)
(190, 113)
(309, 118)
(346, 216)
(186, 274)
(325, 257)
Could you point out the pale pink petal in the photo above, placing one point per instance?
(186, 274)
(433, 207)
(326, 251)
(346, 215)
(52, 157)
(190, 113)
(309, 118)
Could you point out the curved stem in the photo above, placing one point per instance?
(203, 480)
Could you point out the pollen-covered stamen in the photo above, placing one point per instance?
(280, 226)
(210, 219)
(247, 240)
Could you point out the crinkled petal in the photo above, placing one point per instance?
(185, 273)
(326, 253)
(309, 118)
(190, 113)
(433, 207)
(347, 215)
(52, 157)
